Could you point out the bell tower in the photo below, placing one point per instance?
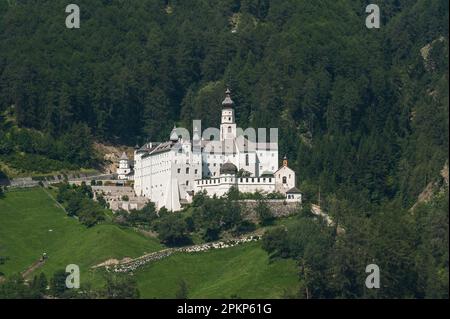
(228, 125)
(285, 161)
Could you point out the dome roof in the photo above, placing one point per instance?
(267, 174)
(228, 168)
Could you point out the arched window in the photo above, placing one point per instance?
(284, 180)
(229, 129)
(246, 160)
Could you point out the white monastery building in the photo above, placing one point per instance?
(170, 173)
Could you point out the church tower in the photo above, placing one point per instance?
(285, 161)
(228, 125)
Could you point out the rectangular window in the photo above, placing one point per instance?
(187, 170)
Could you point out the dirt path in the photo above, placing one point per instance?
(32, 268)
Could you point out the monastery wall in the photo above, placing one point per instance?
(278, 207)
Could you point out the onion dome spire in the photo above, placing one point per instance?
(227, 102)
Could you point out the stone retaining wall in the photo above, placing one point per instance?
(278, 207)
(133, 264)
(113, 196)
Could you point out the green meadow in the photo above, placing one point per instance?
(31, 224)
(244, 271)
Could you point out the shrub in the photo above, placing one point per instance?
(244, 227)
(264, 213)
(172, 230)
(78, 202)
(121, 287)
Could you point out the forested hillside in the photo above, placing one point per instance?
(362, 113)
(357, 108)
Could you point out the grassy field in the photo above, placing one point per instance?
(244, 271)
(31, 224)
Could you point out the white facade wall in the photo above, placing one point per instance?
(250, 162)
(285, 179)
(220, 186)
(211, 163)
(215, 186)
(247, 161)
(166, 177)
(254, 184)
(138, 171)
(267, 160)
(297, 197)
